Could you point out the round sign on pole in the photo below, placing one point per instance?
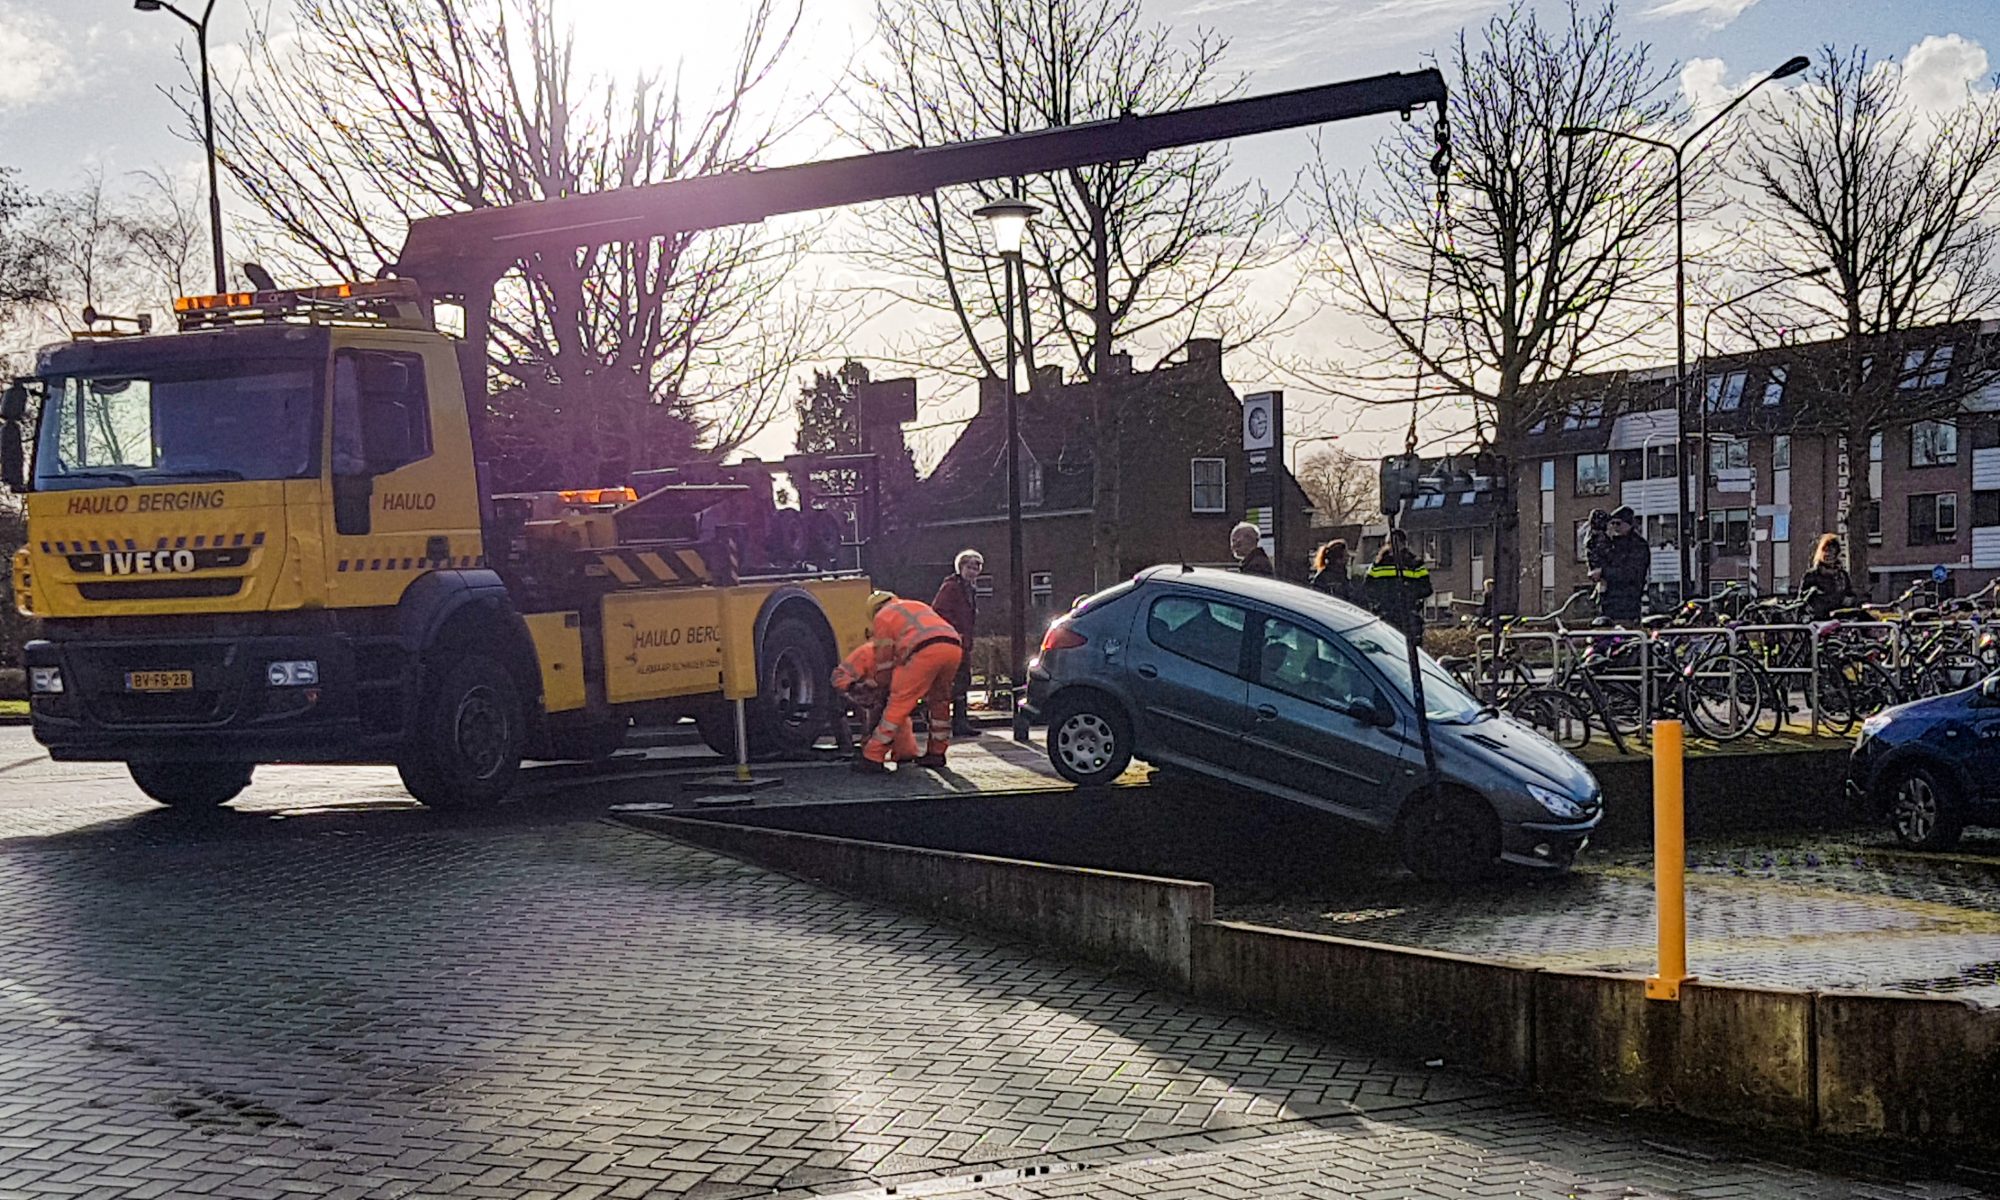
(1939, 573)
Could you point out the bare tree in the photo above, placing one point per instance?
(1898, 206)
(1549, 236)
(604, 360)
(1150, 251)
(1344, 490)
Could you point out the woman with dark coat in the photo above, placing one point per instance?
(1827, 586)
(1332, 574)
(958, 603)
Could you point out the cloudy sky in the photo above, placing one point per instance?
(80, 79)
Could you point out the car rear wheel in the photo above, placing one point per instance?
(1924, 809)
(1449, 836)
(1090, 741)
(191, 784)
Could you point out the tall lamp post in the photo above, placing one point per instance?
(1701, 518)
(1791, 66)
(1008, 219)
(207, 126)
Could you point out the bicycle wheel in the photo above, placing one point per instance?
(1555, 714)
(1722, 695)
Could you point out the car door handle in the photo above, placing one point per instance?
(1266, 712)
(1147, 671)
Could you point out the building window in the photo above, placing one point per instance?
(1031, 483)
(1781, 452)
(1986, 433)
(1437, 548)
(982, 585)
(1593, 474)
(1875, 449)
(1926, 368)
(1933, 518)
(1548, 475)
(1041, 588)
(1725, 392)
(1934, 444)
(1210, 484)
(1662, 529)
(1985, 509)
(1583, 540)
(1729, 529)
(1874, 522)
(1548, 537)
(1774, 387)
(1728, 454)
(1588, 414)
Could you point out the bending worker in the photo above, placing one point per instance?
(920, 652)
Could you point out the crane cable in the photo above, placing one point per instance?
(1440, 167)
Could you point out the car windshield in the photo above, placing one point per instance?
(248, 420)
(1387, 648)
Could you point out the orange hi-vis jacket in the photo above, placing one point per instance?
(859, 668)
(903, 627)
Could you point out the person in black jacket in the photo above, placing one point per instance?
(1827, 587)
(1396, 587)
(1626, 563)
(958, 602)
(1332, 573)
(1245, 544)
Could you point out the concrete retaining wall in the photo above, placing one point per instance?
(1132, 921)
(1418, 1003)
(1907, 1067)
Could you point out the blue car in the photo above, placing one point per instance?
(1932, 767)
(1276, 687)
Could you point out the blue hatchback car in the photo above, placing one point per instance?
(1278, 688)
(1931, 767)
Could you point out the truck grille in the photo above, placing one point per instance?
(101, 671)
(162, 589)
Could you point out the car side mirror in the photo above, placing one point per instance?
(13, 457)
(1372, 712)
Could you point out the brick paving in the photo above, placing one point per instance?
(385, 1005)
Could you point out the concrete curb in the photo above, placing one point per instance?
(1914, 1068)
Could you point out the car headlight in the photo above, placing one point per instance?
(1874, 725)
(302, 673)
(45, 681)
(1557, 803)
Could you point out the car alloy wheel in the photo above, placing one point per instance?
(1086, 742)
(1917, 810)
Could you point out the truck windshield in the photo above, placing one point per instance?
(248, 420)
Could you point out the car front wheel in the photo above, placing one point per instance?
(1924, 810)
(1090, 741)
(1449, 836)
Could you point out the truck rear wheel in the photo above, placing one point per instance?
(794, 692)
(191, 784)
(466, 746)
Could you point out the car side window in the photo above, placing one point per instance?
(1208, 632)
(1301, 663)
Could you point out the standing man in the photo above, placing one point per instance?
(1245, 542)
(921, 652)
(1397, 586)
(958, 602)
(1624, 563)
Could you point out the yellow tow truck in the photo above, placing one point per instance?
(263, 537)
(260, 538)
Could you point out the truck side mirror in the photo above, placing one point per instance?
(13, 457)
(14, 405)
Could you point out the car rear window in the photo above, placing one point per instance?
(1209, 632)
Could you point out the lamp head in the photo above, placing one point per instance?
(1009, 221)
(1571, 131)
(148, 5)
(1792, 66)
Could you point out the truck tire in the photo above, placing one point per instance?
(466, 746)
(716, 725)
(191, 784)
(794, 692)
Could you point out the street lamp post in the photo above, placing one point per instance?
(1008, 220)
(1701, 518)
(1790, 67)
(207, 127)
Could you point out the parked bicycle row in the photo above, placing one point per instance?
(1732, 665)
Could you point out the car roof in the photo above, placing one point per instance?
(1337, 615)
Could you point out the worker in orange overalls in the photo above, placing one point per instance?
(921, 652)
(863, 686)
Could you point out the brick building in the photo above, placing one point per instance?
(1181, 468)
(1774, 483)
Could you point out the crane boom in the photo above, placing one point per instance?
(463, 253)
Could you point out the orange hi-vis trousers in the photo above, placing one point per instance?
(927, 676)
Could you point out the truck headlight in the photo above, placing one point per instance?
(300, 673)
(45, 681)
(1557, 803)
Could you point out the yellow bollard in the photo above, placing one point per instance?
(1669, 862)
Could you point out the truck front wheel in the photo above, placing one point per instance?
(466, 745)
(191, 784)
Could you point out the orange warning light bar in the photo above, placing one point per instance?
(609, 495)
(375, 289)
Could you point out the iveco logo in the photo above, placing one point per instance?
(149, 562)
